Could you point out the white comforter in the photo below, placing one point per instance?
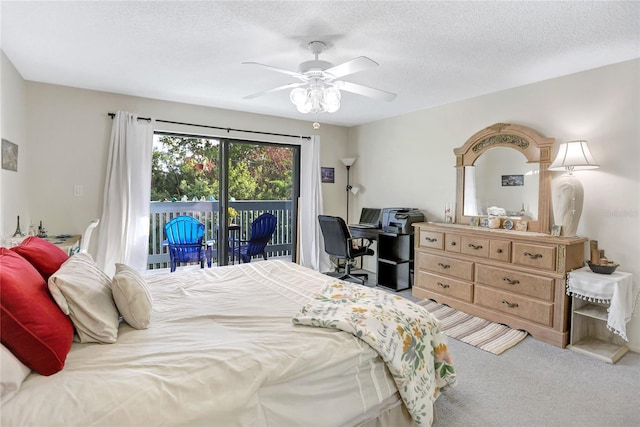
(221, 351)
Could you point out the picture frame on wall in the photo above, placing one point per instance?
(9, 155)
(327, 175)
(512, 180)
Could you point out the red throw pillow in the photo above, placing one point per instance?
(42, 254)
(32, 325)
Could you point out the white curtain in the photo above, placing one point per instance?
(123, 234)
(312, 252)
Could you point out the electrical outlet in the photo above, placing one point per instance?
(77, 190)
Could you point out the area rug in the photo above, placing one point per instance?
(489, 336)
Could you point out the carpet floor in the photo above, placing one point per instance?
(489, 336)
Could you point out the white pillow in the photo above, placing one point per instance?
(12, 374)
(132, 296)
(83, 291)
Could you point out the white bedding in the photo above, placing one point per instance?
(221, 350)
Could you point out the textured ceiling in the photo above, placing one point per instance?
(430, 53)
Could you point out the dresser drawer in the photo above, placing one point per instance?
(516, 282)
(537, 256)
(431, 239)
(445, 286)
(475, 246)
(446, 266)
(452, 242)
(500, 250)
(537, 311)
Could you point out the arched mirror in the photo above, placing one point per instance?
(505, 166)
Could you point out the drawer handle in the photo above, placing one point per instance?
(445, 266)
(442, 285)
(431, 240)
(510, 281)
(476, 247)
(453, 243)
(499, 251)
(509, 304)
(532, 256)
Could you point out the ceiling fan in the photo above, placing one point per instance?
(319, 87)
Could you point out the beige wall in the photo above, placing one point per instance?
(408, 160)
(13, 185)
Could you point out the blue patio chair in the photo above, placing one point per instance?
(262, 229)
(184, 239)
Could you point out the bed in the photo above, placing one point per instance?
(222, 349)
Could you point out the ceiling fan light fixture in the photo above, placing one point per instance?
(316, 98)
(298, 96)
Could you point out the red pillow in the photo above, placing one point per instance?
(42, 254)
(32, 325)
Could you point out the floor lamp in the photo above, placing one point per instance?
(348, 161)
(568, 193)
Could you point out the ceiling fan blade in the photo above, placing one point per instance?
(355, 65)
(276, 69)
(275, 89)
(365, 90)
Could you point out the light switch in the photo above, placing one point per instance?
(77, 190)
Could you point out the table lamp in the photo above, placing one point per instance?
(567, 192)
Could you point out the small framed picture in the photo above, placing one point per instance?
(512, 180)
(522, 225)
(9, 155)
(328, 175)
(555, 230)
(475, 221)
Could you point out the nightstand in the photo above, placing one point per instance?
(602, 304)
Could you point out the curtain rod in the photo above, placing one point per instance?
(112, 115)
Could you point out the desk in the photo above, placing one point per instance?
(394, 264)
(68, 243)
(370, 234)
(600, 299)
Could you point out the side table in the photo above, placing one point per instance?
(602, 305)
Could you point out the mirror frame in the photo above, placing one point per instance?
(535, 147)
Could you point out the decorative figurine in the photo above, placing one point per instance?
(18, 232)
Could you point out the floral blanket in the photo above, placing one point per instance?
(405, 335)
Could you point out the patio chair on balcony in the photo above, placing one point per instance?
(262, 229)
(184, 239)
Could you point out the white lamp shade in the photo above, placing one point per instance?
(573, 155)
(348, 161)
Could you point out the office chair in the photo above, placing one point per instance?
(338, 243)
(184, 238)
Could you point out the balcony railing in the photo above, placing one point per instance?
(207, 213)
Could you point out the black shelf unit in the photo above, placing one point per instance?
(395, 261)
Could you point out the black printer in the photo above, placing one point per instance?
(400, 220)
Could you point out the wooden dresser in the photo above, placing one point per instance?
(509, 277)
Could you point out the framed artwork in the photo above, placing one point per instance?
(9, 155)
(328, 175)
(522, 225)
(555, 230)
(512, 180)
(475, 221)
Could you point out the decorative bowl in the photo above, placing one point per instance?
(603, 269)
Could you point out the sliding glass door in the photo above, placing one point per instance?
(223, 182)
